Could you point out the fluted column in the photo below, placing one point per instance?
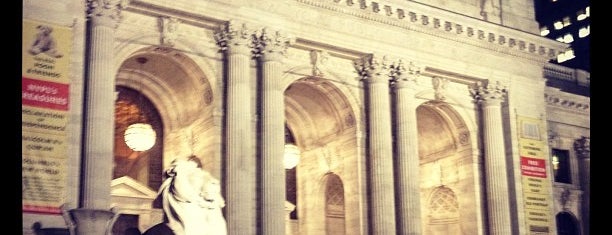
(498, 204)
(240, 184)
(582, 147)
(407, 163)
(100, 105)
(94, 217)
(375, 72)
(272, 47)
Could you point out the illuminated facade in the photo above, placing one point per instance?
(411, 117)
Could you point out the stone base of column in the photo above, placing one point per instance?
(84, 221)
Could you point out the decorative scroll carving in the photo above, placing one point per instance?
(236, 36)
(404, 73)
(583, 147)
(106, 11)
(318, 59)
(439, 85)
(272, 45)
(169, 30)
(373, 68)
(565, 198)
(489, 92)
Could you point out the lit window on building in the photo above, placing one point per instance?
(558, 25)
(568, 38)
(582, 14)
(566, 21)
(584, 31)
(561, 166)
(544, 31)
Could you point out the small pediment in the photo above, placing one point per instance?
(128, 187)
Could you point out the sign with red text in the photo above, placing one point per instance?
(44, 110)
(534, 175)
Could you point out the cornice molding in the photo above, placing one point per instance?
(450, 26)
(567, 102)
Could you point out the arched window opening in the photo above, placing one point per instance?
(334, 205)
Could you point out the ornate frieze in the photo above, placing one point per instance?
(421, 22)
(567, 103)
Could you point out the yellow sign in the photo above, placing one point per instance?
(45, 101)
(536, 183)
(45, 51)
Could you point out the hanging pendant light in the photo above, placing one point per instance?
(140, 136)
(292, 156)
(292, 152)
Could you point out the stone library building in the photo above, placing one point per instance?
(300, 117)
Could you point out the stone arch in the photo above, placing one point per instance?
(168, 79)
(447, 161)
(444, 213)
(334, 205)
(567, 224)
(442, 131)
(323, 122)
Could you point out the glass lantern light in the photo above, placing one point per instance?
(140, 136)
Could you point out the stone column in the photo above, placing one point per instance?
(240, 184)
(582, 147)
(272, 48)
(94, 216)
(407, 163)
(375, 72)
(490, 97)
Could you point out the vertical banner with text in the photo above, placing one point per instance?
(44, 111)
(536, 184)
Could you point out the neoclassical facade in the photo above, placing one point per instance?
(411, 117)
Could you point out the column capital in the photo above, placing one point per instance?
(492, 93)
(106, 12)
(272, 46)
(235, 38)
(582, 146)
(404, 74)
(373, 68)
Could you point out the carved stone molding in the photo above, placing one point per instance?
(566, 103)
(404, 74)
(439, 85)
(492, 92)
(236, 37)
(318, 59)
(583, 147)
(373, 68)
(271, 45)
(483, 36)
(107, 12)
(169, 30)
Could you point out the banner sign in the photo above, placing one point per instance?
(536, 184)
(44, 111)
